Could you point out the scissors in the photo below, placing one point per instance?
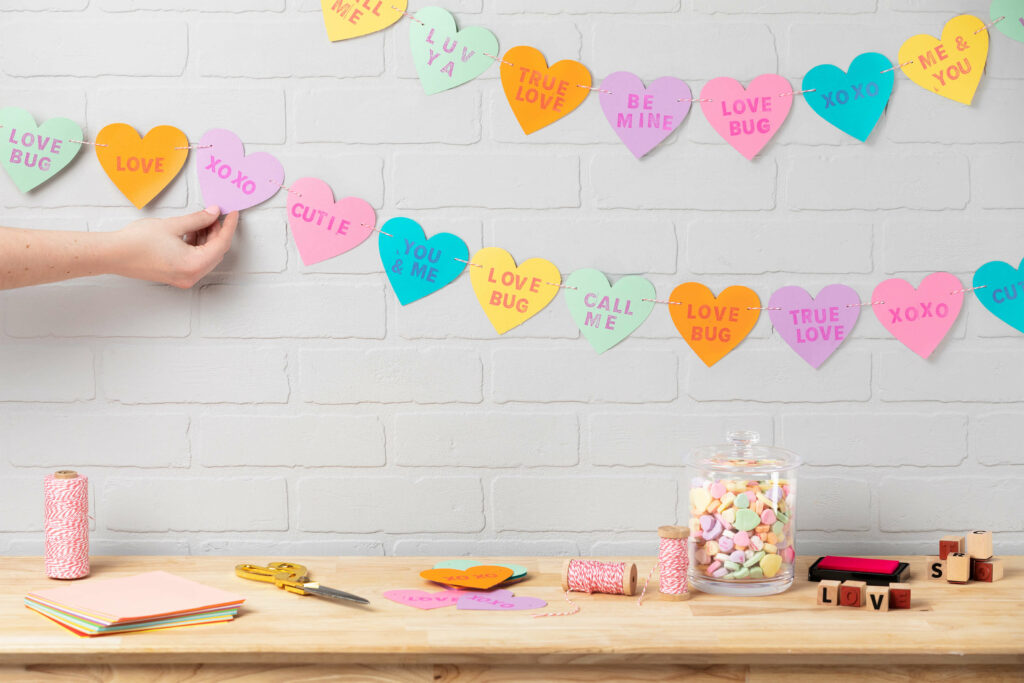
(294, 579)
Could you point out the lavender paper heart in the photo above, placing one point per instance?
(230, 179)
(499, 600)
(643, 117)
(814, 326)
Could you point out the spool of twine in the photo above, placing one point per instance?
(592, 576)
(673, 562)
(66, 523)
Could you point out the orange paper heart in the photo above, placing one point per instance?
(141, 167)
(482, 577)
(540, 94)
(711, 325)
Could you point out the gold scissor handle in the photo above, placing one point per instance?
(286, 575)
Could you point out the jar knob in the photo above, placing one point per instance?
(742, 440)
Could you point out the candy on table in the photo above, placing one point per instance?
(878, 598)
(987, 570)
(936, 568)
(958, 568)
(899, 595)
(950, 544)
(853, 593)
(770, 565)
(979, 545)
(828, 593)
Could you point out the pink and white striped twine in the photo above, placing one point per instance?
(66, 510)
(673, 566)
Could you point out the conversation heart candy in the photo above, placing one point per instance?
(229, 178)
(511, 294)
(746, 519)
(346, 19)
(854, 100)
(445, 56)
(33, 154)
(607, 314)
(770, 565)
(951, 66)
(920, 318)
(141, 167)
(540, 94)
(700, 499)
(323, 228)
(713, 326)
(417, 266)
(1000, 288)
(641, 116)
(747, 118)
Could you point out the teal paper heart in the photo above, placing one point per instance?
(1012, 12)
(853, 100)
(444, 56)
(1003, 291)
(518, 570)
(416, 266)
(605, 314)
(33, 154)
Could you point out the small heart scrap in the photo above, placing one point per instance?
(951, 66)
(346, 19)
(540, 94)
(714, 326)
(480, 577)
(141, 167)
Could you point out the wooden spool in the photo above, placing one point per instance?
(680, 532)
(65, 474)
(628, 577)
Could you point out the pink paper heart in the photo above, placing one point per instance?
(230, 179)
(922, 317)
(643, 117)
(499, 600)
(423, 599)
(323, 228)
(747, 118)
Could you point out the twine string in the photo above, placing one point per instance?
(66, 515)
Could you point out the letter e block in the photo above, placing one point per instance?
(899, 596)
(828, 593)
(936, 568)
(950, 544)
(958, 568)
(979, 545)
(853, 593)
(878, 598)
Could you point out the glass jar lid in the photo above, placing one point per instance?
(742, 452)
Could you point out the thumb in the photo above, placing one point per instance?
(182, 225)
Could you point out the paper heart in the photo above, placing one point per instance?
(323, 228)
(510, 294)
(713, 326)
(480, 577)
(423, 599)
(814, 326)
(141, 167)
(416, 266)
(643, 117)
(230, 179)
(605, 314)
(920, 318)
(346, 19)
(1003, 291)
(746, 118)
(444, 56)
(538, 94)
(853, 101)
(33, 154)
(1012, 23)
(951, 67)
(494, 601)
(518, 571)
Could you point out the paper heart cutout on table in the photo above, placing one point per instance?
(854, 100)
(746, 118)
(643, 117)
(444, 56)
(323, 228)
(1003, 291)
(500, 600)
(604, 313)
(480, 577)
(540, 94)
(346, 19)
(814, 327)
(953, 66)
(229, 178)
(518, 570)
(32, 154)
(1012, 23)
(141, 167)
(922, 317)
(416, 266)
(511, 294)
(714, 326)
(423, 599)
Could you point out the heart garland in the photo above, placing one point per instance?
(323, 228)
(747, 118)
(540, 94)
(346, 19)
(920, 318)
(232, 180)
(604, 313)
(141, 167)
(32, 154)
(714, 326)
(853, 101)
(1012, 22)
(417, 266)
(510, 294)
(1000, 288)
(814, 327)
(951, 66)
(444, 56)
(641, 116)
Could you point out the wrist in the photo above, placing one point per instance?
(107, 253)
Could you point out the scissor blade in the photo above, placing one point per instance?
(333, 593)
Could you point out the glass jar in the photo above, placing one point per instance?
(742, 517)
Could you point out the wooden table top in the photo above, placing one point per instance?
(976, 623)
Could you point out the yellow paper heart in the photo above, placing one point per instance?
(951, 67)
(353, 18)
(511, 294)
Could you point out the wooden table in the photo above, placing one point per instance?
(956, 633)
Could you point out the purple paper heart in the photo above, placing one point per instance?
(499, 600)
(230, 179)
(814, 326)
(643, 117)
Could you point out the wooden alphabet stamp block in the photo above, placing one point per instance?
(987, 570)
(853, 593)
(958, 568)
(878, 598)
(899, 596)
(950, 544)
(979, 545)
(935, 567)
(828, 593)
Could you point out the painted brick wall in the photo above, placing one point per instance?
(278, 409)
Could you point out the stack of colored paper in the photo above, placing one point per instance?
(143, 602)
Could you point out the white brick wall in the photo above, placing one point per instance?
(280, 409)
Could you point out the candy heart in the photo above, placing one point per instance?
(747, 118)
(415, 265)
(444, 56)
(814, 326)
(141, 167)
(539, 94)
(353, 18)
(323, 228)
(230, 179)
(1003, 291)
(33, 154)
(711, 325)
(920, 318)
(746, 519)
(770, 565)
(511, 294)
(481, 576)
(518, 571)
(951, 67)
(643, 117)
(605, 314)
(423, 599)
(700, 499)
(1012, 23)
(492, 601)
(853, 100)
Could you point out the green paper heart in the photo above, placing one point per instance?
(519, 571)
(1012, 12)
(444, 56)
(33, 154)
(605, 314)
